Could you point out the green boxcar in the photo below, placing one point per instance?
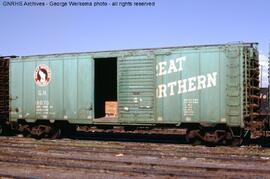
(194, 84)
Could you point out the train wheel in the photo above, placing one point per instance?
(192, 137)
(1, 129)
(229, 140)
(27, 134)
(237, 141)
(39, 131)
(197, 141)
(55, 133)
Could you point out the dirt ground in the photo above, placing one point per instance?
(66, 158)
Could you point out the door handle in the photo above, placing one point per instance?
(16, 97)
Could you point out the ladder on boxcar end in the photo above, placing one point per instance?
(251, 92)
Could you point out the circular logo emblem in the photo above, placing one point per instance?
(42, 75)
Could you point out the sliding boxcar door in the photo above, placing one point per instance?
(136, 91)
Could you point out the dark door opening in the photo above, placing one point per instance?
(105, 83)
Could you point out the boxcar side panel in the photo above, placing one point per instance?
(191, 86)
(65, 94)
(212, 99)
(16, 84)
(29, 101)
(234, 87)
(70, 89)
(56, 90)
(85, 89)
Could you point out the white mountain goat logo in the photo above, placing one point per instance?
(42, 75)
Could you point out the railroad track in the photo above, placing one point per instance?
(166, 150)
(132, 159)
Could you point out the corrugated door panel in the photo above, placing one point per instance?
(136, 90)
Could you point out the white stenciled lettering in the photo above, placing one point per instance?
(212, 79)
(162, 70)
(191, 84)
(171, 86)
(187, 85)
(201, 82)
(173, 66)
(182, 86)
(162, 91)
(180, 63)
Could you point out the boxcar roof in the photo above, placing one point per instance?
(142, 49)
